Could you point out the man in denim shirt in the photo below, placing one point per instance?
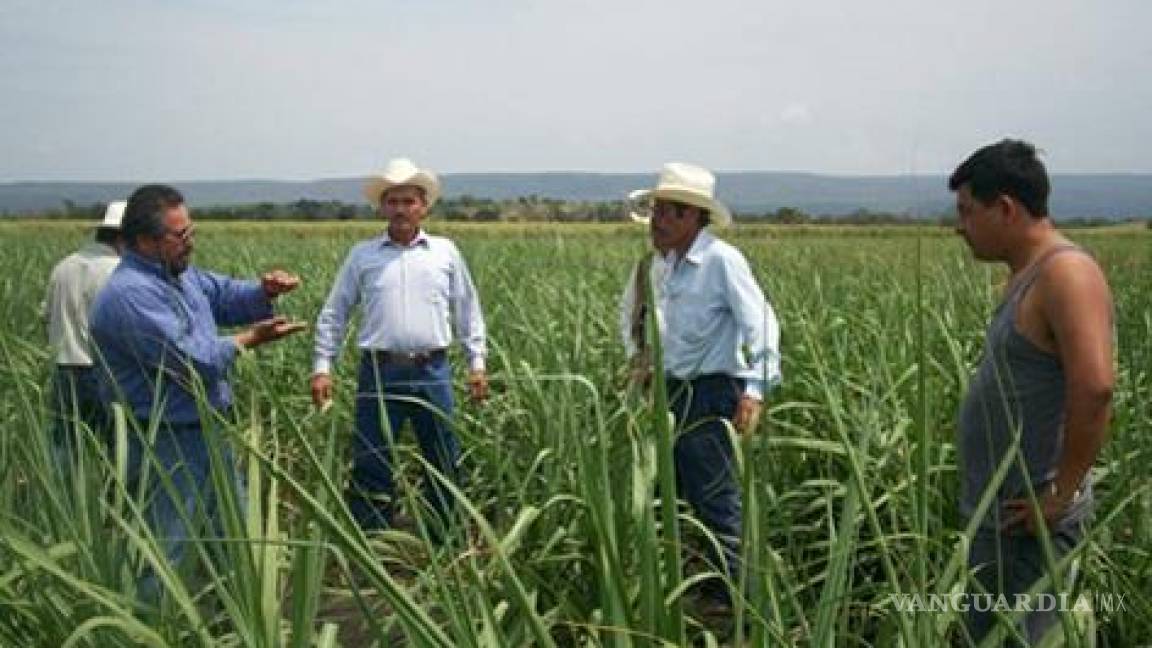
(154, 325)
(721, 351)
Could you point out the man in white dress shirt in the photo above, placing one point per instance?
(72, 287)
(413, 289)
(720, 349)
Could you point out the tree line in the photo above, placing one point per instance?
(532, 208)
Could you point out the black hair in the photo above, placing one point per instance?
(144, 215)
(1007, 168)
(107, 235)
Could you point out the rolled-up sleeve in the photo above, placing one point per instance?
(757, 325)
(333, 318)
(150, 330)
(234, 302)
(468, 317)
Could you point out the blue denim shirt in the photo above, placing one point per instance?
(157, 339)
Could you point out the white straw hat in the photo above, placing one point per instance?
(113, 215)
(401, 172)
(683, 183)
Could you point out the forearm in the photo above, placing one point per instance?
(1085, 430)
(330, 325)
(245, 304)
(235, 302)
(469, 324)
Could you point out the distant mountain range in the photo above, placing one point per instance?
(1112, 196)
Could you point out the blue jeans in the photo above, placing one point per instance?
(387, 395)
(1009, 564)
(181, 503)
(76, 405)
(706, 465)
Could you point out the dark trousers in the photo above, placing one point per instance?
(76, 408)
(1010, 564)
(387, 395)
(706, 465)
(180, 501)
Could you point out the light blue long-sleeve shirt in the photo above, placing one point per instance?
(715, 317)
(407, 294)
(156, 336)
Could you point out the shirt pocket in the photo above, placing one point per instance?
(436, 284)
(693, 313)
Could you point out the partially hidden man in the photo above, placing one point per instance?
(415, 295)
(720, 350)
(72, 287)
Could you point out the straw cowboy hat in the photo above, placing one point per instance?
(113, 215)
(401, 171)
(683, 183)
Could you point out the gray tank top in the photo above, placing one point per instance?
(1017, 389)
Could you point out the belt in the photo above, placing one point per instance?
(408, 358)
(700, 378)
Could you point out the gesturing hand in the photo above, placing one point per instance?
(267, 331)
(278, 282)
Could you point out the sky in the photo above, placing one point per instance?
(135, 90)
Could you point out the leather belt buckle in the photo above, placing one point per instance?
(411, 358)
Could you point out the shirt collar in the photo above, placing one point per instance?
(99, 249)
(421, 239)
(695, 253)
(144, 264)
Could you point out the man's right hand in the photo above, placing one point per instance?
(267, 331)
(321, 384)
(640, 371)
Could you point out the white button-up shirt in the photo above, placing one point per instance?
(407, 294)
(714, 318)
(72, 288)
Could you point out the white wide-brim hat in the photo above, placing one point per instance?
(402, 172)
(113, 215)
(683, 183)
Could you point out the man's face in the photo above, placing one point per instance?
(404, 207)
(673, 225)
(981, 225)
(176, 244)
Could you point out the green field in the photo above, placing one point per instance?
(850, 481)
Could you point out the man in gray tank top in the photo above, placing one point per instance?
(1040, 397)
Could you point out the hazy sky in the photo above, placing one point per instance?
(132, 90)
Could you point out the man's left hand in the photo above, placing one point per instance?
(266, 331)
(278, 282)
(478, 386)
(747, 414)
(1018, 513)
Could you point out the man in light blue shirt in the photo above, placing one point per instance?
(413, 290)
(154, 326)
(721, 349)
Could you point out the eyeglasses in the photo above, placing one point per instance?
(669, 208)
(183, 235)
